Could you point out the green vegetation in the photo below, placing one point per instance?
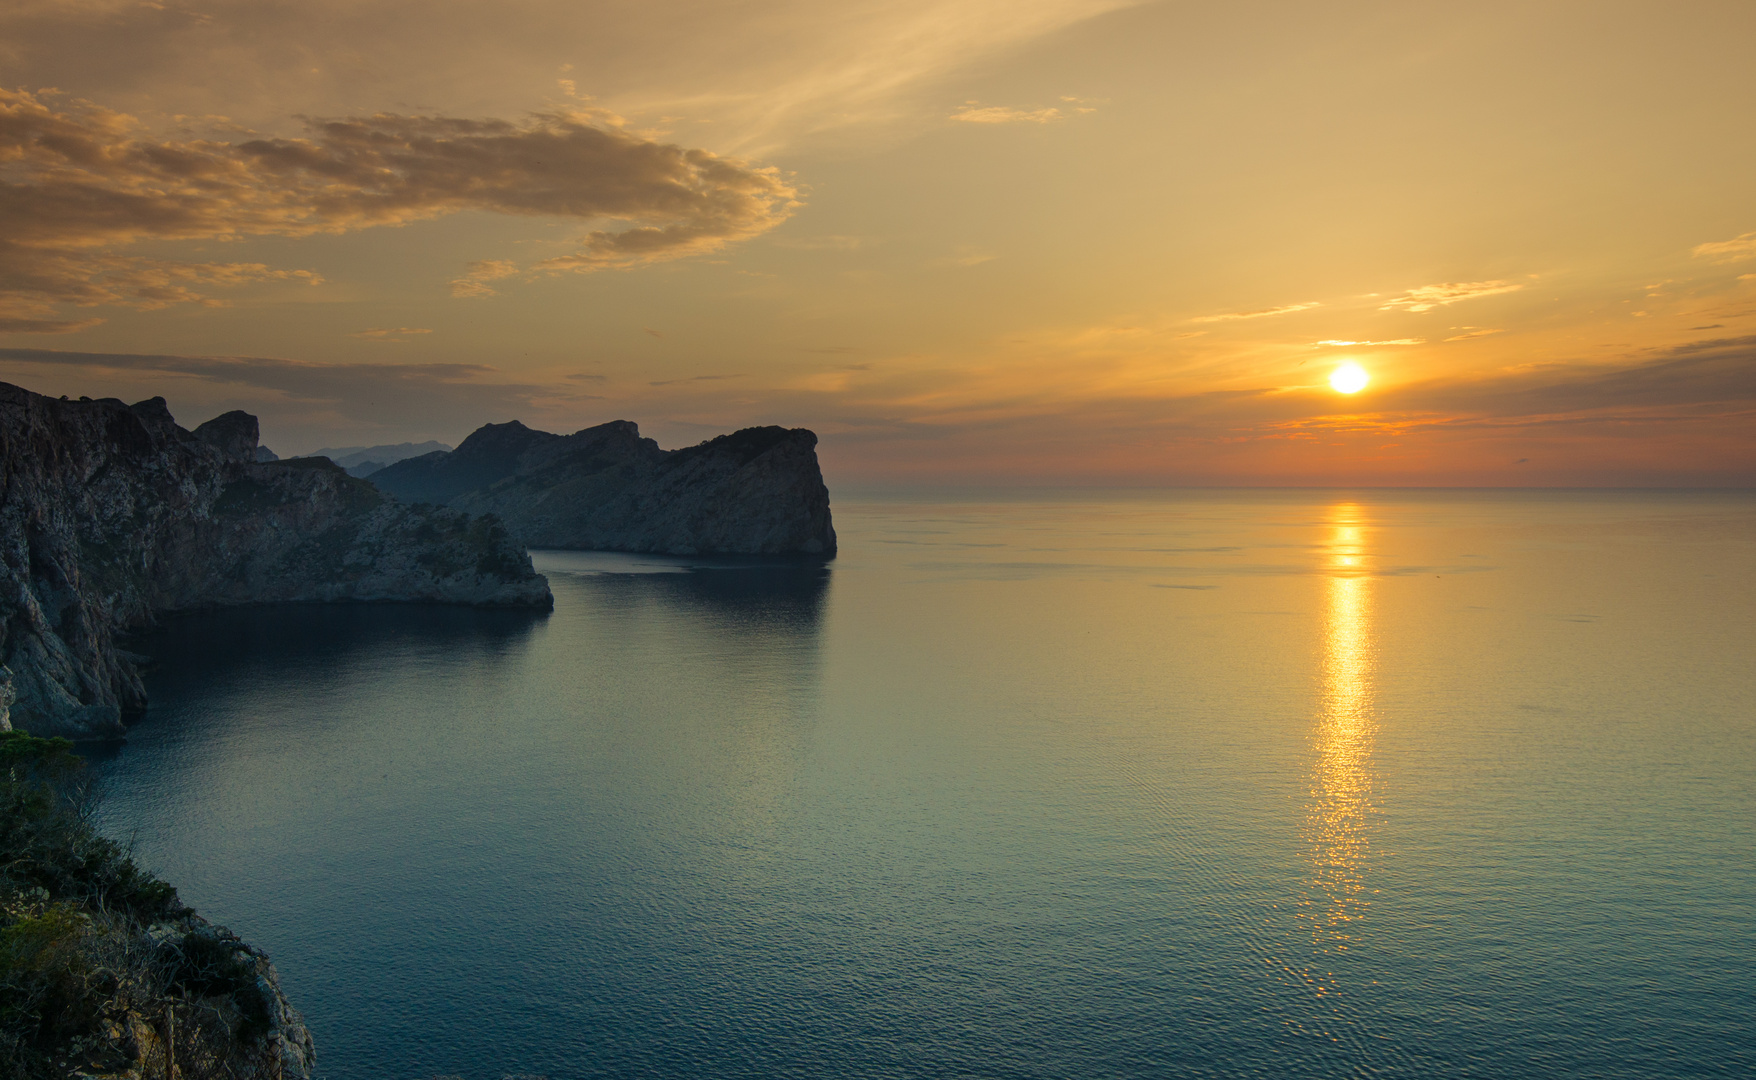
(248, 496)
(743, 447)
(359, 496)
(499, 556)
(100, 965)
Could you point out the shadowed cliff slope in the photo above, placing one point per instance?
(756, 491)
(112, 512)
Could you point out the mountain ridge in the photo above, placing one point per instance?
(363, 461)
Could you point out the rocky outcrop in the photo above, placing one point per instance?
(104, 973)
(236, 1023)
(110, 513)
(756, 491)
(235, 434)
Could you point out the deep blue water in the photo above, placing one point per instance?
(1230, 784)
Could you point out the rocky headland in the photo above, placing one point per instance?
(112, 513)
(758, 491)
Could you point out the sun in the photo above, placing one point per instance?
(1349, 379)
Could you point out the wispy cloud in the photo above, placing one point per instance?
(757, 74)
(1473, 332)
(693, 379)
(1428, 297)
(1678, 415)
(84, 181)
(386, 333)
(1719, 373)
(37, 280)
(1333, 343)
(1263, 313)
(1733, 250)
(476, 276)
(973, 113)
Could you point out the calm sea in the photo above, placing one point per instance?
(1207, 784)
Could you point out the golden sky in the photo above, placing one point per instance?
(964, 240)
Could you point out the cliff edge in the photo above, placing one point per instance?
(104, 974)
(110, 513)
(758, 491)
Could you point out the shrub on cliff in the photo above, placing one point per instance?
(102, 970)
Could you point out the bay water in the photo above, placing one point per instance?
(1023, 784)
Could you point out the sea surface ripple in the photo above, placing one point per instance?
(1170, 784)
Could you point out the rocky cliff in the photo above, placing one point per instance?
(110, 513)
(104, 974)
(756, 491)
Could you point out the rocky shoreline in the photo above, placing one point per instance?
(111, 514)
(104, 973)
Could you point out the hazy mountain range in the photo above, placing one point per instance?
(366, 460)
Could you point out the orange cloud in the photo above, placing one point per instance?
(384, 333)
(77, 184)
(476, 276)
(1733, 250)
(1000, 114)
(1262, 314)
(1428, 297)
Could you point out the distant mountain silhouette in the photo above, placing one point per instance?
(492, 452)
(366, 460)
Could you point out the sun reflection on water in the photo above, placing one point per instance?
(1340, 813)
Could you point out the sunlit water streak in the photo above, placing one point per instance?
(1337, 832)
(1208, 784)
(1338, 824)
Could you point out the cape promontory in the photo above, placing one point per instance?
(111, 513)
(758, 491)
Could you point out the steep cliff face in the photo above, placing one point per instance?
(756, 491)
(111, 512)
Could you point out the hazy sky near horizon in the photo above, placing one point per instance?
(1034, 240)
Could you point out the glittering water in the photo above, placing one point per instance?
(1296, 784)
